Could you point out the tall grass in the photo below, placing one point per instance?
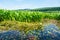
(27, 16)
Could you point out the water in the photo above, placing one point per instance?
(51, 32)
(10, 35)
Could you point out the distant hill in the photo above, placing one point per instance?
(47, 9)
(44, 9)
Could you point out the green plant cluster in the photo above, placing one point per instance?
(27, 16)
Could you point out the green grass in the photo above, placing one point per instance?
(27, 16)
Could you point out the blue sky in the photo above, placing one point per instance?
(22, 4)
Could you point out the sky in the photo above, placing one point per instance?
(28, 4)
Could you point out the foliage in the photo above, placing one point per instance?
(27, 16)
